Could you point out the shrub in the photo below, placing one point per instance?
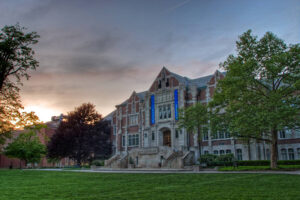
(208, 159)
(98, 162)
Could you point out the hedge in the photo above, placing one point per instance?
(228, 160)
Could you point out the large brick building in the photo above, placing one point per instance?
(145, 130)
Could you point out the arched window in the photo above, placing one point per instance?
(283, 154)
(228, 151)
(216, 152)
(222, 152)
(291, 154)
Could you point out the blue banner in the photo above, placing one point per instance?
(176, 103)
(152, 109)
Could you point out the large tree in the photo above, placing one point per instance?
(195, 120)
(260, 94)
(27, 146)
(16, 58)
(81, 137)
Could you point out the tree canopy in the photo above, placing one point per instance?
(195, 120)
(16, 58)
(260, 94)
(81, 137)
(27, 146)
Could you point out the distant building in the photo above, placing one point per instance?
(145, 130)
(52, 125)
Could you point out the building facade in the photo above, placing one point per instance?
(145, 131)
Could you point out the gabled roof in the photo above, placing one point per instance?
(109, 116)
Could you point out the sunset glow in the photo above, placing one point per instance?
(43, 113)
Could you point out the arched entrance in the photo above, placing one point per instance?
(167, 137)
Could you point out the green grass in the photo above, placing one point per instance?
(255, 168)
(43, 185)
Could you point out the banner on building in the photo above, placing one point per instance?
(152, 109)
(176, 103)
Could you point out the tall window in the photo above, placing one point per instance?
(133, 140)
(298, 152)
(239, 154)
(133, 107)
(268, 154)
(164, 111)
(283, 154)
(291, 154)
(282, 134)
(133, 120)
(123, 141)
(153, 135)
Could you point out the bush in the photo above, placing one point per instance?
(289, 162)
(253, 162)
(98, 162)
(214, 160)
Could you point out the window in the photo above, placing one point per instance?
(133, 120)
(282, 134)
(216, 152)
(114, 130)
(164, 111)
(298, 152)
(145, 135)
(206, 152)
(123, 141)
(133, 107)
(221, 135)
(205, 133)
(176, 133)
(268, 154)
(153, 135)
(167, 83)
(227, 134)
(239, 154)
(133, 140)
(222, 152)
(259, 152)
(228, 151)
(159, 84)
(283, 154)
(291, 154)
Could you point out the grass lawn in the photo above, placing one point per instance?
(17, 184)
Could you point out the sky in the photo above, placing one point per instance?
(100, 51)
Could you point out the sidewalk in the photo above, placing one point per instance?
(168, 171)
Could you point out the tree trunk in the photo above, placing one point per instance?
(78, 162)
(274, 148)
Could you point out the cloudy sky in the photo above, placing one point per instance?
(99, 51)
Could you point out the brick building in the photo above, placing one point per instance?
(145, 130)
(44, 135)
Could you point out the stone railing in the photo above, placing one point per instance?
(188, 158)
(107, 163)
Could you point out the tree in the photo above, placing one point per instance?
(260, 94)
(27, 146)
(79, 137)
(195, 120)
(16, 57)
(16, 54)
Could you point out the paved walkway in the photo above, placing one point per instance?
(168, 171)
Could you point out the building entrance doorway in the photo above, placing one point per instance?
(167, 138)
